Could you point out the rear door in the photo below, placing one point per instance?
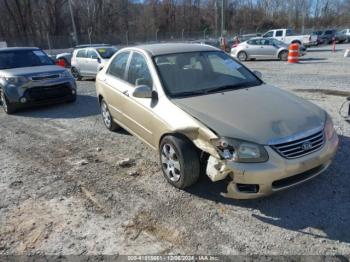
(80, 61)
(279, 35)
(92, 62)
(115, 85)
(253, 48)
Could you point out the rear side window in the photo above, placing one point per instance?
(81, 54)
(254, 42)
(289, 32)
(138, 73)
(118, 65)
(279, 33)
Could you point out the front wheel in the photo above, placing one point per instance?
(6, 105)
(180, 161)
(283, 56)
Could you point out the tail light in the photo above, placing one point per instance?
(234, 45)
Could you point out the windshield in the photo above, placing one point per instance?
(106, 52)
(23, 58)
(196, 73)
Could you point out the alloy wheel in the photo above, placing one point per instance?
(170, 163)
(107, 119)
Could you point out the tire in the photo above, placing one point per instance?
(242, 56)
(283, 56)
(107, 117)
(180, 161)
(73, 99)
(6, 105)
(76, 74)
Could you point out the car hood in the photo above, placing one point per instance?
(29, 71)
(258, 114)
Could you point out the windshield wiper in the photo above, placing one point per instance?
(228, 87)
(190, 93)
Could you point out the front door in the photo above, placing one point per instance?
(138, 116)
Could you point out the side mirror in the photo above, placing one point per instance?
(98, 60)
(142, 91)
(257, 73)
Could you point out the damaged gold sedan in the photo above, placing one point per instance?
(199, 107)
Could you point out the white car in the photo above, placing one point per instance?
(87, 62)
(262, 48)
(346, 32)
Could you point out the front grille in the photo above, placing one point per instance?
(46, 77)
(301, 147)
(48, 92)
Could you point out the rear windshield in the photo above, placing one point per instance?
(106, 52)
(23, 58)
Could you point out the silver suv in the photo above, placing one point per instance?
(87, 62)
(29, 77)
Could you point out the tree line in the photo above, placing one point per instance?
(127, 20)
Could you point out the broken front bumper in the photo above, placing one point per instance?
(253, 180)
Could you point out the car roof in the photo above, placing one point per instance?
(172, 48)
(18, 48)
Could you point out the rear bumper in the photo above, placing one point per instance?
(262, 179)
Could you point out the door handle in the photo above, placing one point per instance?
(126, 93)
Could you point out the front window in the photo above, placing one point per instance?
(198, 73)
(23, 58)
(269, 34)
(138, 73)
(106, 52)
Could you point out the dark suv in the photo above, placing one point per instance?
(29, 77)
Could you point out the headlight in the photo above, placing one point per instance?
(65, 74)
(240, 151)
(14, 80)
(329, 128)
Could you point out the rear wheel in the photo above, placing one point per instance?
(242, 56)
(180, 161)
(76, 74)
(107, 117)
(6, 105)
(283, 56)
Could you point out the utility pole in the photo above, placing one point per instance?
(222, 18)
(216, 18)
(73, 22)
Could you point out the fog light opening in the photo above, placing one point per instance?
(73, 92)
(23, 100)
(248, 188)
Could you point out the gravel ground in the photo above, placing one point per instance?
(63, 190)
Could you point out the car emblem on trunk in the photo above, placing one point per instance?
(306, 146)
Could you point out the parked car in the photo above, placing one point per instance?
(262, 48)
(320, 40)
(346, 32)
(330, 35)
(86, 62)
(288, 36)
(200, 108)
(29, 77)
